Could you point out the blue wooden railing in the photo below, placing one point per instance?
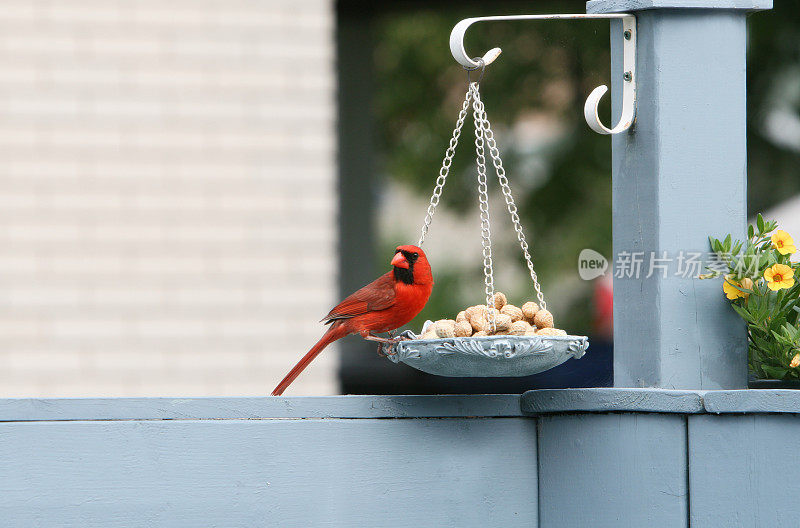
(552, 458)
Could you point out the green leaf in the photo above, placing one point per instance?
(743, 313)
(760, 342)
(750, 231)
(760, 223)
(771, 226)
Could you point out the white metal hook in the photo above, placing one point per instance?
(590, 108)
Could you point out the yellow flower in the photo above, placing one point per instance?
(783, 242)
(779, 276)
(795, 361)
(731, 292)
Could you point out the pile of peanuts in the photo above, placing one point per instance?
(475, 321)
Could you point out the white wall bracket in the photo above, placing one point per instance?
(628, 37)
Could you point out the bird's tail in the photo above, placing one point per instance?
(336, 331)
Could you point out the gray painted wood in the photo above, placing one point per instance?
(284, 473)
(612, 471)
(611, 400)
(744, 471)
(688, 137)
(606, 458)
(544, 401)
(622, 6)
(24, 409)
(753, 401)
(559, 401)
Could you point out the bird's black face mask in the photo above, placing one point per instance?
(404, 275)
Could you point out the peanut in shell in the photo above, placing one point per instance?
(549, 331)
(513, 311)
(519, 328)
(445, 328)
(463, 329)
(529, 310)
(500, 300)
(502, 323)
(543, 319)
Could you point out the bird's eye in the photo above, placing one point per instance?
(415, 256)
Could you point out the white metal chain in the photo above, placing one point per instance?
(483, 138)
(483, 202)
(444, 171)
(506, 188)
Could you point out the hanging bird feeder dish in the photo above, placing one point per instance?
(490, 356)
(495, 339)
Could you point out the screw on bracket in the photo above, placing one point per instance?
(627, 76)
(627, 34)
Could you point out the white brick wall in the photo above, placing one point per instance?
(167, 195)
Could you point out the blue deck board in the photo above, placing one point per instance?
(455, 472)
(744, 470)
(24, 409)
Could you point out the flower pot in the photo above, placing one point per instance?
(773, 384)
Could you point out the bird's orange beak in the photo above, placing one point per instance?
(399, 261)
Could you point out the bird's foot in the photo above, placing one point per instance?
(385, 350)
(370, 337)
(385, 345)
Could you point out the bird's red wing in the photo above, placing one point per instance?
(377, 295)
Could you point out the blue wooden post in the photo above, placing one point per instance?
(679, 175)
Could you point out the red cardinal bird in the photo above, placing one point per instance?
(383, 305)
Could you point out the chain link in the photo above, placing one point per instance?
(483, 138)
(483, 202)
(494, 153)
(445, 170)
